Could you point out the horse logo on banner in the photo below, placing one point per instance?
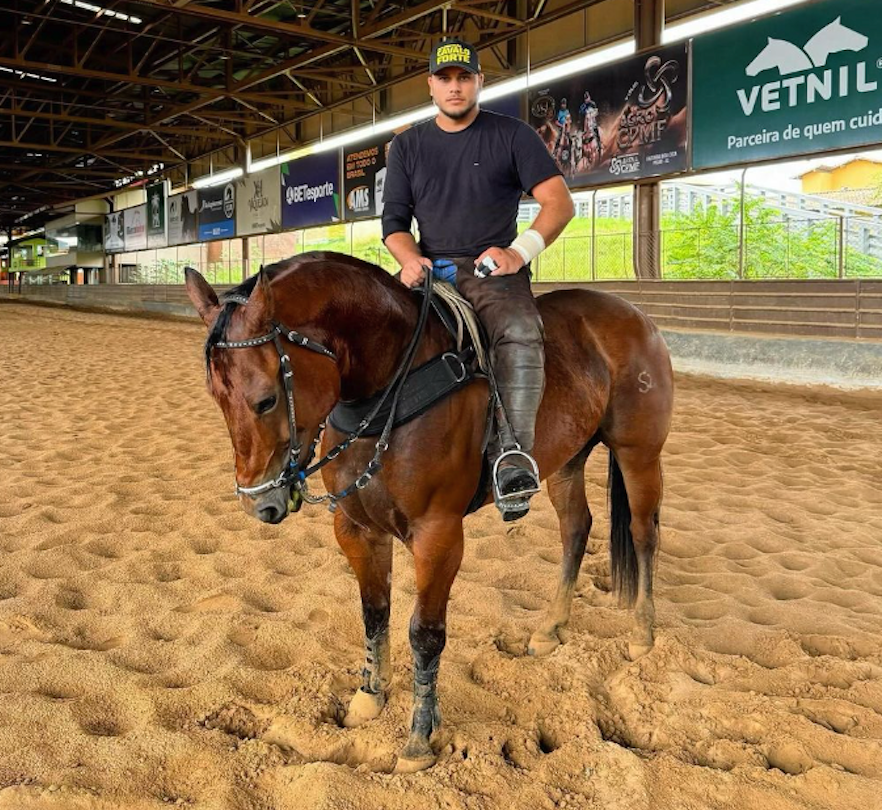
(790, 58)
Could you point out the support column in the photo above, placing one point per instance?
(10, 277)
(246, 258)
(649, 16)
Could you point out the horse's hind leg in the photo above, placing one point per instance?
(370, 555)
(636, 490)
(566, 488)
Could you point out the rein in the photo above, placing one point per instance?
(292, 476)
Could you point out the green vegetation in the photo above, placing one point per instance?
(705, 245)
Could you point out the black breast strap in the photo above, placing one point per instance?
(426, 385)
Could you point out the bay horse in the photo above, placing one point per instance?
(608, 379)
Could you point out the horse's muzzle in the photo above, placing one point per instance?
(273, 506)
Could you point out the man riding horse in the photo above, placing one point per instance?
(462, 175)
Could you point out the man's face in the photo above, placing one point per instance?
(455, 91)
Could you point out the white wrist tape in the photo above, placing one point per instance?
(529, 244)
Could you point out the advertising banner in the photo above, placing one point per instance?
(114, 233)
(364, 176)
(183, 218)
(802, 81)
(136, 227)
(156, 216)
(217, 211)
(259, 203)
(311, 190)
(618, 123)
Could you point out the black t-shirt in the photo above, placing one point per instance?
(463, 187)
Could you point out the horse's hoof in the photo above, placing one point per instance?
(636, 651)
(542, 644)
(413, 764)
(363, 707)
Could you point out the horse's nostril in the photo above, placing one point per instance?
(270, 514)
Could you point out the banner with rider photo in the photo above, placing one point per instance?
(114, 232)
(311, 190)
(801, 81)
(156, 215)
(183, 218)
(617, 123)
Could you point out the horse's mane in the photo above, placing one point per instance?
(277, 272)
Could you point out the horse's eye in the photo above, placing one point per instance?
(265, 405)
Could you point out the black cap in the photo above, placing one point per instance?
(454, 53)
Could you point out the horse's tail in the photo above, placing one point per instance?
(623, 558)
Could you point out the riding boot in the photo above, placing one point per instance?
(508, 312)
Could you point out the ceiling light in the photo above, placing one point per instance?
(219, 178)
(25, 75)
(102, 11)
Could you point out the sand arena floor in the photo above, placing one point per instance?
(158, 646)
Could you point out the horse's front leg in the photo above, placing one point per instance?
(437, 551)
(370, 555)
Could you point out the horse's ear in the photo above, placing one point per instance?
(202, 295)
(258, 312)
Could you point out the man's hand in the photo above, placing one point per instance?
(412, 272)
(508, 261)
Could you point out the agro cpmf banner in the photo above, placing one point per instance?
(620, 122)
(802, 81)
(311, 191)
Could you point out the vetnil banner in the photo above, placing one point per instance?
(802, 81)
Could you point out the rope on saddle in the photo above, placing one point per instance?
(466, 319)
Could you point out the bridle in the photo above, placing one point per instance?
(292, 477)
(291, 471)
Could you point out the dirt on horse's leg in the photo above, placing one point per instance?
(437, 551)
(370, 555)
(566, 489)
(643, 480)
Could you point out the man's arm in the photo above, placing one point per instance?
(555, 211)
(406, 252)
(398, 216)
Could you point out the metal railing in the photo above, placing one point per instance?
(832, 247)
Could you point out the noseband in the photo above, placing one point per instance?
(292, 477)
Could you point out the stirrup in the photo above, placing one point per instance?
(513, 498)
